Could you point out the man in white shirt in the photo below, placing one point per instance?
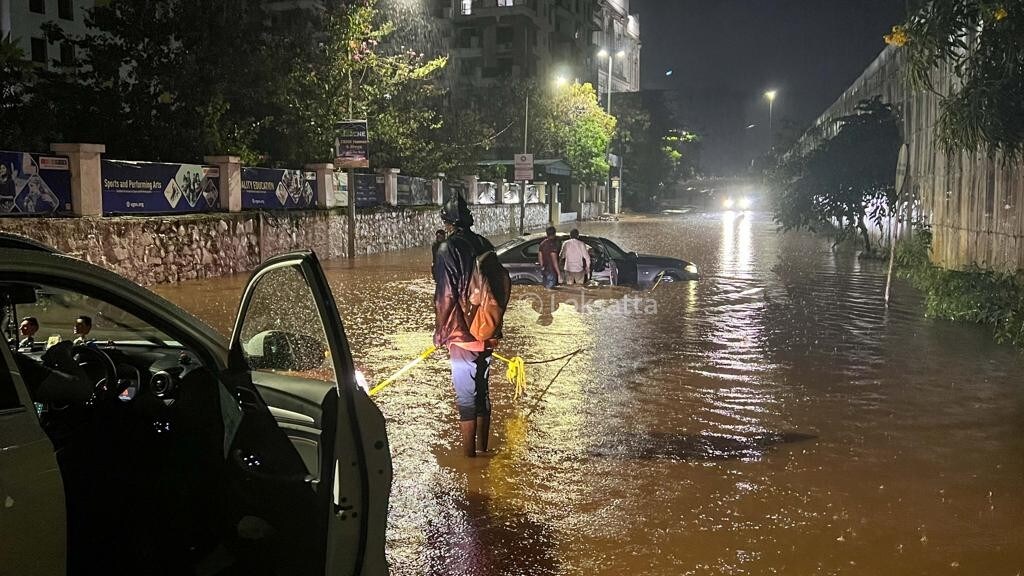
(576, 257)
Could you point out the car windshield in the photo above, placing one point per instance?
(58, 313)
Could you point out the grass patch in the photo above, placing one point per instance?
(995, 299)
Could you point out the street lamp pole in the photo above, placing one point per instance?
(608, 109)
(770, 95)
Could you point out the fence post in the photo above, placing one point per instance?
(391, 186)
(439, 189)
(554, 206)
(86, 176)
(472, 191)
(542, 195)
(230, 168)
(324, 184)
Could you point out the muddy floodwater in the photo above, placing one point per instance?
(771, 418)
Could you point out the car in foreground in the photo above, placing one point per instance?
(519, 256)
(152, 446)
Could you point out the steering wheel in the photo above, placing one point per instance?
(107, 386)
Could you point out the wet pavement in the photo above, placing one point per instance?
(772, 418)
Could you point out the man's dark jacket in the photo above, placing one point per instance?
(452, 271)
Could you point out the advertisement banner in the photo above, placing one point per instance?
(276, 189)
(454, 188)
(369, 190)
(487, 192)
(414, 191)
(154, 188)
(351, 144)
(34, 184)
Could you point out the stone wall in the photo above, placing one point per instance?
(160, 249)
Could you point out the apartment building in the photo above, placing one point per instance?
(22, 21)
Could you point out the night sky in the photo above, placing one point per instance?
(725, 53)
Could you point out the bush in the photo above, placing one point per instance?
(995, 299)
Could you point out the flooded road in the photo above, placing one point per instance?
(772, 418)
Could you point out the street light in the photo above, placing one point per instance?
(770, 95)
(604, 53)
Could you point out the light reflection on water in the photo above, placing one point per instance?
(772, 418)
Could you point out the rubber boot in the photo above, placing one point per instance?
(483, 431)
(468, 429)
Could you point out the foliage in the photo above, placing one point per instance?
(984, 297)
(844, 181)
(983, 42)
(580, 130)
(658, 152)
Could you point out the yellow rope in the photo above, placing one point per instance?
(516, 373)
(426, 353)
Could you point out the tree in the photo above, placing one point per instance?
(579, 130)
(657, 150)
(846, 180)
(982, 41)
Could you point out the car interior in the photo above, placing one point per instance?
(168, 466)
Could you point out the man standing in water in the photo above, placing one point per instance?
(470, 358)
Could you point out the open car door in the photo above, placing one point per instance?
(307, 436)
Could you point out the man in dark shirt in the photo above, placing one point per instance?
(470, 358)
(547, 257)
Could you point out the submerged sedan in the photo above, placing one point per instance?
(519, 256)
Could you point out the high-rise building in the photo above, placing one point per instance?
(22, 21)
(617, 36)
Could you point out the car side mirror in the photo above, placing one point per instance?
(286, 351)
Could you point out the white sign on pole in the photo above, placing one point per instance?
(524, 167)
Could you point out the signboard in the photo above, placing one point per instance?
(524, 167)
(151, 187)
(351, 144)
(414, 191)
(340, 189)
(275, 189)
(616, 183)
(34, 184)
(369, 190)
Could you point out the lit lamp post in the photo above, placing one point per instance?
(770, 95)
(608, 107)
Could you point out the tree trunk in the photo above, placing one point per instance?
(864, 233)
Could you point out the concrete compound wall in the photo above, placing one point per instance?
(161, 249)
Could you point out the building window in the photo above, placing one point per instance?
(506, 3)
(67, 54)
(39, 50)
(467, 7)
(505, 36)
(66, 9)
(37, 6)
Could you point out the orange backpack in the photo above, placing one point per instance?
(490, 289)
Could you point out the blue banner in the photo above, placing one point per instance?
(369, 190)
(414, 191)
(150, 187)
(275, 189)
(34, 184)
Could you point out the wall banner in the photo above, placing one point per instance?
(276, 189)
(369, 190)
(414, 191)
(154, 188)
(34, 184)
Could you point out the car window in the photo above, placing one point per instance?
(283, 331)
(531, 249)
(57, 311)
(613, 249)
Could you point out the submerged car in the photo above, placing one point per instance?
(519, 256)
(152, 446)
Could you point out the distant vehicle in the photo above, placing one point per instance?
(174, 451)
(519, 255)
(737, 203)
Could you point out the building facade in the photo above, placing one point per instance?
(490, 41)
(617, 34)
(22, 21)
